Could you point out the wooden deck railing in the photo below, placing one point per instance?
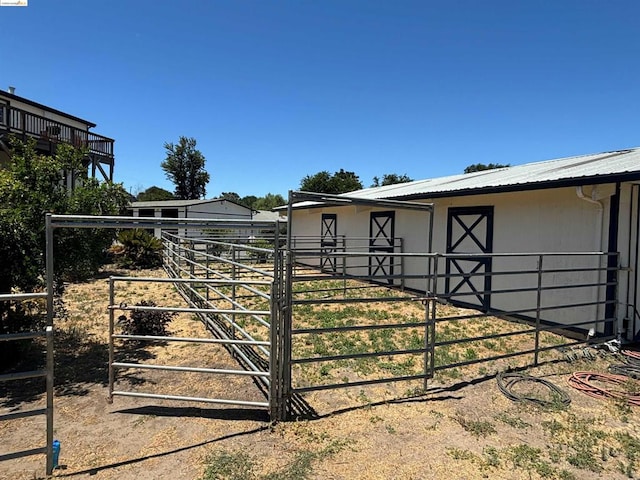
(23, 123)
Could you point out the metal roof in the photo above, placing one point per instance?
(605, 167)
(180, 203)
(595, 168)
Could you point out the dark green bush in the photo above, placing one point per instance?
(145, 322)
(32, 185)
(137, 249)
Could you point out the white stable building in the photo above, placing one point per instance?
(586, 203)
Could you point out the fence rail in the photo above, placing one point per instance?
(206, 312)
(46, 373)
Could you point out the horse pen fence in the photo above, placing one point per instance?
(303, 314)
(46, 373)
(380, 332)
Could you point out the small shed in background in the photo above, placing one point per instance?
(218, 208)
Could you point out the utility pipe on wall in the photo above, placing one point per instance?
(599, 241)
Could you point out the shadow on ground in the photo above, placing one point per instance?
(79, 362)
(96, 470)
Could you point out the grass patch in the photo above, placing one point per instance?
(477, 428)
(240, 465)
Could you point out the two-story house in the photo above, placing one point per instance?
(49, 127)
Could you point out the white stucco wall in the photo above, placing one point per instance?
(553, 220)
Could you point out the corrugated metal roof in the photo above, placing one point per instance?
(268, 215)
(617, 163)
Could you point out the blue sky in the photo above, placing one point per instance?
(276, 90)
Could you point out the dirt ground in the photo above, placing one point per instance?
(460, 428)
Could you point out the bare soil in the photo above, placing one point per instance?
(460, 428)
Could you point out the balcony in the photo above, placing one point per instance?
(48, 133)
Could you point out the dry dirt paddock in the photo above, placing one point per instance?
(461, 428)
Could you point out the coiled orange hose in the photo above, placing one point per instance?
(583, 381)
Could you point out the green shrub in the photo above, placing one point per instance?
(31, 185)
(137, 249)
(145, 322)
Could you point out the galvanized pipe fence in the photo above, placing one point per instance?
(296, 326)
(46, 373)
(532, 291)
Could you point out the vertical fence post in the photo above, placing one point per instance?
(274, 356)
(49, 335)
(234, 274)
(431, 332)
(49, 383)
(538, 300)
(402, 282)
(111, 332)
(208, 274)
(49, 267)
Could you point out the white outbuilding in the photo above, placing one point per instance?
(584, 204)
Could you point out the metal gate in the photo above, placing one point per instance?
(46, 373)
(206, 311)
(192, 267)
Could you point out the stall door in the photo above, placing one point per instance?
(328, 242)
(381, 240)
(469, 231)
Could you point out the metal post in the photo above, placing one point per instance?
(344, 266)
(49, 383)
(234, 273)
(111, 332)
(538, 300)
(274, 378)
(401, 265)
(208, 275)
(287, 319)
(434, 314)
(49, 267)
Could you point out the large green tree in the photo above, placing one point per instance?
(153, 194)
(32, 185)
(324, 182)
(390, 179)
(184, 166)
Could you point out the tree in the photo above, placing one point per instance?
(184, 166)
(479, 167)
(269, 202)
(30, 186)
(153, 194)
(232, 197)
(323, 182)
(391, 179)
(249, 201)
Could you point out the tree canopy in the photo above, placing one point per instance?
(31, 185)
(184, 166)
(478, 167)
(267, 202)
(391, 179)
(324, 182)
(153, 194)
